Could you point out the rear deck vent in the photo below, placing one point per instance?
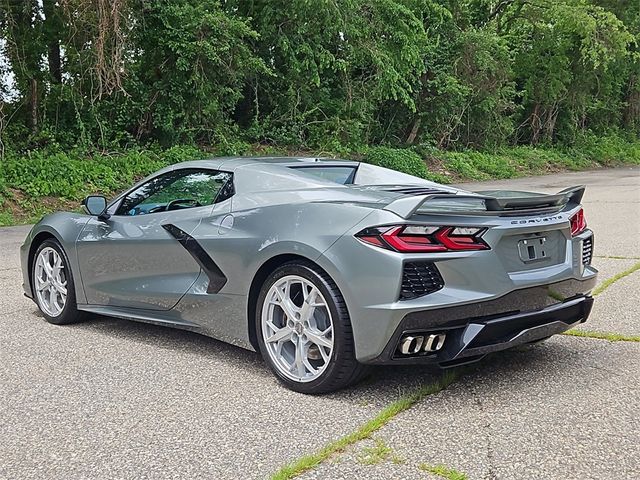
(587, 250)
(418, 279)
(418, 191)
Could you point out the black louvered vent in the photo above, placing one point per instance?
(418, 279)
(418, 191)
(587, 250)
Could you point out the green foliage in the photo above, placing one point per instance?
(329, 76)
(72, 175)
(440, 89)
(191, 79)
(38, 182)
(332, 76)
(607, 150)
(568, 58)
(402, 160)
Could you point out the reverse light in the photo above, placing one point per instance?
(424, 239)
(578, 223)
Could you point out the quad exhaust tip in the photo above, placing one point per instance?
(413, 344)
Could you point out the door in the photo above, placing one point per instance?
(133, 259)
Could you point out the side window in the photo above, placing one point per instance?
(341, 175)
(178, 190)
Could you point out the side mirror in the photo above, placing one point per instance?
(95, 205)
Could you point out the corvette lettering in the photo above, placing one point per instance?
(537, 220)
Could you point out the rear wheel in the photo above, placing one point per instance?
(304, 330)
(53, 286)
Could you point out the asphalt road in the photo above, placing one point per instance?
(116, 399)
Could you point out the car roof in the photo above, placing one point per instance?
(231, 163)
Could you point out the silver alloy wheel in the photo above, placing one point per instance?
(297, 328)
(50, 282)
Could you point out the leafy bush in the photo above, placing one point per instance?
(38, 182)
(608, 150)
(402, 160)
(72, 175)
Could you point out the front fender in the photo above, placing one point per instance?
(65, 228)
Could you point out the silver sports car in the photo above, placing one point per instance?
(323, 266)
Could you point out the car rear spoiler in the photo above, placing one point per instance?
(486, 203)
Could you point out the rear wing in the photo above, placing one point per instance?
(485, 203)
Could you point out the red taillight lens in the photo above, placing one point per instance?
(424, 239)
(578, 223)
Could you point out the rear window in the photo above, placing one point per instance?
(341, 175)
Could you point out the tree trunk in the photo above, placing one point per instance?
(55, 66)
(52, 26)
(535, 124)
(33, 105)
(550, 123)
(632, 111)
(414, 131)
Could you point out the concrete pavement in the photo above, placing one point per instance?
(116, 399)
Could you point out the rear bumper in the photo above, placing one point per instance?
(475, 330)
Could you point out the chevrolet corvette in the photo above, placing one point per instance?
(323, 266)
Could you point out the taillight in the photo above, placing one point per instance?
(424, 239)
(578, 223)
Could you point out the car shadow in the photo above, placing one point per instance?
(381, 385)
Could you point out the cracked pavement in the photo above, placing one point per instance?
(115, 399)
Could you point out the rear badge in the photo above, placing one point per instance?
(532, 249)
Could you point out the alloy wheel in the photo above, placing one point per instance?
(297, 328)
(50, 282)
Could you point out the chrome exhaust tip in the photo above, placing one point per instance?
(413, 344)
(434, 342)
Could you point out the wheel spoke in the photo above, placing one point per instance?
(52, 298)
(62, 289)
(299, 362)
(47, 268)
(325, 356)
(283, 333)
(309, 305)
(308, 365)
(318, 338)
(285, 303)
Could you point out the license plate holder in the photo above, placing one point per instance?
(533, 249)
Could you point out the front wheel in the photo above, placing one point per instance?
(52, 283)
(304, 330)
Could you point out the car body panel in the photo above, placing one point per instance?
(154, 267)
(135, 262)
(65, 228)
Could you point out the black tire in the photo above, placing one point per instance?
(70, 313)
(343, 369)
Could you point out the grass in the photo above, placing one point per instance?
(309, 462)
(610, 281)
(610, 336)
(379, 453)
(443, 471)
